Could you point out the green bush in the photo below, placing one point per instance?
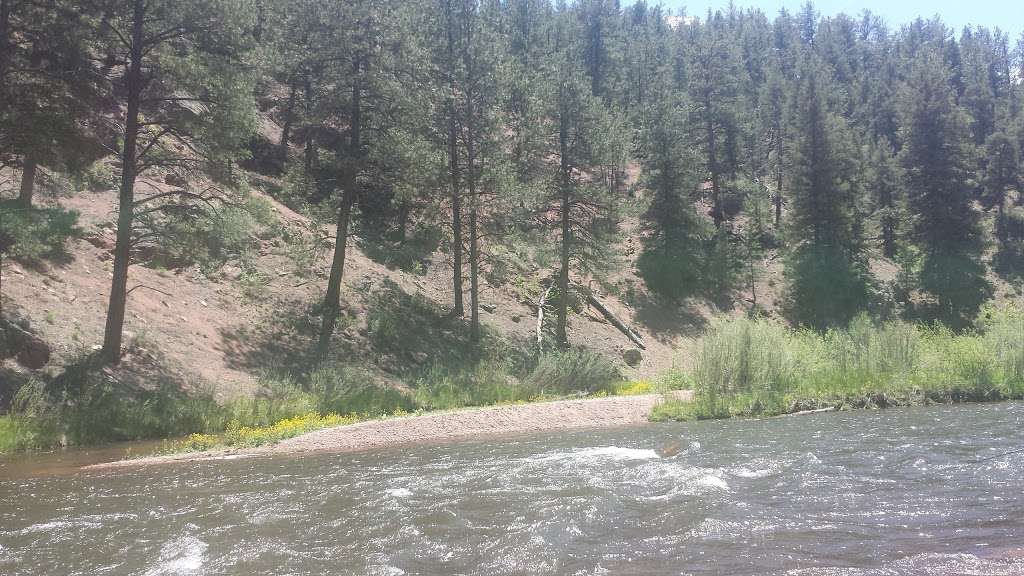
(35, 234)
(573, 371)
(195, 234)
(480, 385)
(343, 390)
(99, 176)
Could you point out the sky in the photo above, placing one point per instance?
(1008, 15)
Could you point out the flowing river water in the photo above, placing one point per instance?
(860, 493)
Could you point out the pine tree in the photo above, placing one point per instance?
(886, 186)
(775, 121)
(826, 267)
(672, 258)
(581, 206)
(479, 91)
(358, 70)
(49, 97)
(179, 70)
(377, 76)
(936, 159)
(713, 87)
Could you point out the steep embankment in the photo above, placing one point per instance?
(218, 328)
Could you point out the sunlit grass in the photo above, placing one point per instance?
(757, 367)
(634, 388)
(238, 436)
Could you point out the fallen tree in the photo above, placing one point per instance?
(629, 332)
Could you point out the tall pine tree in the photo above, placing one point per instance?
(936, 159)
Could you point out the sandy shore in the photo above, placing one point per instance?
(441, 427)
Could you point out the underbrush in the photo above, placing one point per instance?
(198, 234)
(554, 374)
(42, 418)
(238, 436)
(34, 234)
(757, 367)
(85, 406)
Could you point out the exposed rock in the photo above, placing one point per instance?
(173, 179)
(28, 349)
(104, 239)
(489, 308)
(632, 357)
(420, 357)
(231, 272)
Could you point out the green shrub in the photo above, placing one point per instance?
(573, 371)
(35, 234)
(343, 390)
(745, 356)
(100, 176)
(198, 234)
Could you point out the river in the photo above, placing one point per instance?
(857, 493)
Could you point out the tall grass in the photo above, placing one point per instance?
(86, 407)
(103, 412)
(750, 367)
(555, 374)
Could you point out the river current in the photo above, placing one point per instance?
(908, 491)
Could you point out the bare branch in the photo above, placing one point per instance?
(137, 286)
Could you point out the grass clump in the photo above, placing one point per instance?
(554, 374)
(346, 390)
(751, 367)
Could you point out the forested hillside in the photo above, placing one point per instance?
(520, 155)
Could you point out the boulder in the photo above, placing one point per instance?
(34, 354)
(230, 272)
(632, 357)
(175, 180)
(27, 349)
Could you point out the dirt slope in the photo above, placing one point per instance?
(207, 328)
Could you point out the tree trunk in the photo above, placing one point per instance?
(112, 334)
(453, 171)
(888, 220)
(566, 208)
(778, 179)
(889, 236)
(633, 335)
(289, 118)
(456, 227)
(28, 182)
(332, 300)
(474, 268)
(540, 315)
(5, 27)
(311, 151)
(716, 199)
(1001, 219)
(472, 174)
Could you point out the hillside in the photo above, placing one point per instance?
(214, 328)
(221, 329)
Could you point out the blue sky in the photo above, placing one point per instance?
(1006, 14)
